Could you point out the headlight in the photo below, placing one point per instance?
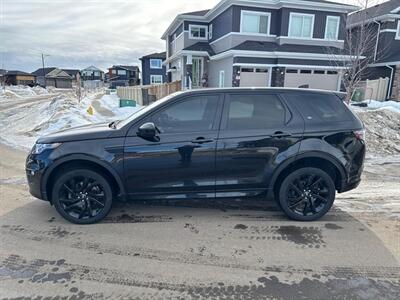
(39, 148)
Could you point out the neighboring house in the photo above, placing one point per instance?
(384, 19)
(41, 73)
(123, 76)
(19, 78)
(153, 69)
(73, 73)
(259, 43)
(92, 77)
(54, 77)
(92, 73)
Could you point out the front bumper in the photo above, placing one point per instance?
(34, 169)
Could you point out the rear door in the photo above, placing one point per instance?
(258, 131)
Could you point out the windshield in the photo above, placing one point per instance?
(146, 109)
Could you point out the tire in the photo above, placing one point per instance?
(82, 196)
(307, 194)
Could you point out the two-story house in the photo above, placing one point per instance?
(92, 73)
(123, 76)
(153, 69)
(263, 43)
(383, 23)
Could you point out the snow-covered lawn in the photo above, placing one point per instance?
(28, 113)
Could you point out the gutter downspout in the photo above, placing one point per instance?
(377, 39)
(390, 82)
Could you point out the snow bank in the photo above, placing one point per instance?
(382, 123)
(390, 105)
(32, 112)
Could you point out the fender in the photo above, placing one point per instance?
(86, 157)
(308, 154)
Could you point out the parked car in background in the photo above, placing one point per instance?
(297, 146)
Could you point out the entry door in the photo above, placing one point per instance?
(197, 72)
(182, 163)
(254, 136)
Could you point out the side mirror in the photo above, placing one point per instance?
(148, 131)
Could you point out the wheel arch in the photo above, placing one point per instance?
(81, 161)
(314, 159)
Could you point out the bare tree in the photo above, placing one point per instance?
(360, 48)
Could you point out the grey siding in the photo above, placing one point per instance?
(214, 66)
(222, 24)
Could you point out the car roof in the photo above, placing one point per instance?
(258, 89)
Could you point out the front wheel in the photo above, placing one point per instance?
(307, 194)
(82, 196)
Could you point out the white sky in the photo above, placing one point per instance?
(80, 33)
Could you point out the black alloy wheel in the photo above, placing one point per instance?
(307, 194)
(82, 196)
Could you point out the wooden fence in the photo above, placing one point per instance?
(146, 94)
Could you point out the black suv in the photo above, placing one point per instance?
(297, 146)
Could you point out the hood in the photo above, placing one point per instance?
(86, 132)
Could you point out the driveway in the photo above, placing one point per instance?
(194, 250)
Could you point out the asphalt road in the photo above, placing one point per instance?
(224, 250)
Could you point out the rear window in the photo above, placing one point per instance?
(320, 107)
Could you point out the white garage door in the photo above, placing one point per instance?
(313, 79)
(254, 77)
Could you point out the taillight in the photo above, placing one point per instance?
(360, 134)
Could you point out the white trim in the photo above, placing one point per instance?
(239, 33)
(152, 77)
(384, 64)
(210, 31)
(337, 28)
(277, 54)
(293, 14)
(308, 39)
(290, 66)
(158, 60)
(221, 83)
(256, 13)
(198, 26)
(397, 37)
(396, 10)
(388, 30)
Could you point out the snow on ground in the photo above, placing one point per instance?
(28, 113)
(382, 123)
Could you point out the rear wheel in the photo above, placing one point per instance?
(307, 194)
(82, 196)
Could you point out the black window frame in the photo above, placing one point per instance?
(253, 132)
(148, 117)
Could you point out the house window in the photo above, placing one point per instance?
(301, 25)
(305, 71)
(156, 79)
(291, 71)
(221, 79)
(319, 72)
(332, 28)
(255, 22)
(155, 63)
(398, 31)
(121, 72)
(198, 32)
(113, 71)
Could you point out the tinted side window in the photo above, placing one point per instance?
(320, 107)
(254, 112)
(196, 113)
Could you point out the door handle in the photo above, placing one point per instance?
(280, 134)
(201, 140)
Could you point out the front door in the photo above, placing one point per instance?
(197, 72)
(182, 163)
(257, 132)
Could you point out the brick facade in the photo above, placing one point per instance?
(396, 85)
